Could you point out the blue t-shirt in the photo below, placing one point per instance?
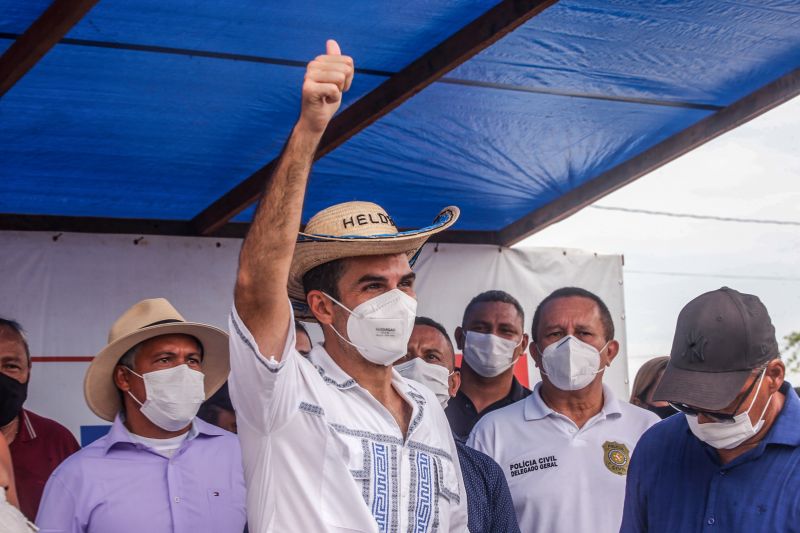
(489, 505)
(676, 483)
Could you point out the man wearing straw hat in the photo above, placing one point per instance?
(339, 441)
(159, 469)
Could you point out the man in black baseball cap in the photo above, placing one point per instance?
(732, 462)
(721, 337)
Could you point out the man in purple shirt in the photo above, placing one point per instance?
(159, 469)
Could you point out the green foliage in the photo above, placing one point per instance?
(791, 354)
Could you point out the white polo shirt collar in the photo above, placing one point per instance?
(536, 409)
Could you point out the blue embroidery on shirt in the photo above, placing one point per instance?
(378, 437)
(380, 501)
(247, 343)
(330, 381)
(420, 401)
(429, 449)
(424, 492)
(312, 409)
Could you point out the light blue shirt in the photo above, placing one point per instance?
(117, 484)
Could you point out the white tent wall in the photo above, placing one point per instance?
(449, 275)
(67, 289)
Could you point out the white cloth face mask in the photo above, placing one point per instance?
(380, 327)
(571, 364)
(433, 376)
(174, 396)
(730, 434)
(489, 355)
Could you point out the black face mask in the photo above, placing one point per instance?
(12, 396)
(662, 412)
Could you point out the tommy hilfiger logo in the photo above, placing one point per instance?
(532, 465)
(695, 345)
(364, 219)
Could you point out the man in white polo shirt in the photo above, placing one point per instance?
(565, 449)
(338, 441)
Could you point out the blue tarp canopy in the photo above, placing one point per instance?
(144, 116)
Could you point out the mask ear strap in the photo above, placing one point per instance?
(129, 391)
(134, 398)
(356, 346)
(129, 369)
(603, 369)
(340, 304)
(760, 381)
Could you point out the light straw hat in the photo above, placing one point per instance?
(145, 320)
(354, 229)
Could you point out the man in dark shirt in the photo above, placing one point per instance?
(492, 339)
(730, 461)
(431, 361)
(37, 444)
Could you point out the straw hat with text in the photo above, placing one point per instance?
(354, 229)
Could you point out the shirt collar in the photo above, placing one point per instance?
(25, 430)
(517, 392)
(333, 375)
(119, 434)
(330, 372)
(536, 409)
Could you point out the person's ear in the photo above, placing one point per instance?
(454, 383)
(523, 344)
(611, 352)
(537, 357)
(774, 375)
(121, 378)
(459, 335)
(321, 306)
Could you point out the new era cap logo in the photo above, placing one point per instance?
(695, 346)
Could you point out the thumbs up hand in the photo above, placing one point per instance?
(327, 77)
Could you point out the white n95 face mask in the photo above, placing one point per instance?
(730, 434)
(380, 327)
(489, 355)
(570, 363)
(174, 396)
(435, 377)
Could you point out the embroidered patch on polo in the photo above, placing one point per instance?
(616, 457)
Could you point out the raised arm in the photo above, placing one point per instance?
(261, 296)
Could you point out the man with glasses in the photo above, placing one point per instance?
(730, 462)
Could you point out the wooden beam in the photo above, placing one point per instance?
(39, 38)
(452, 52)
(142, 226)
(129, 226)
(466, 237)
(730, 117)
